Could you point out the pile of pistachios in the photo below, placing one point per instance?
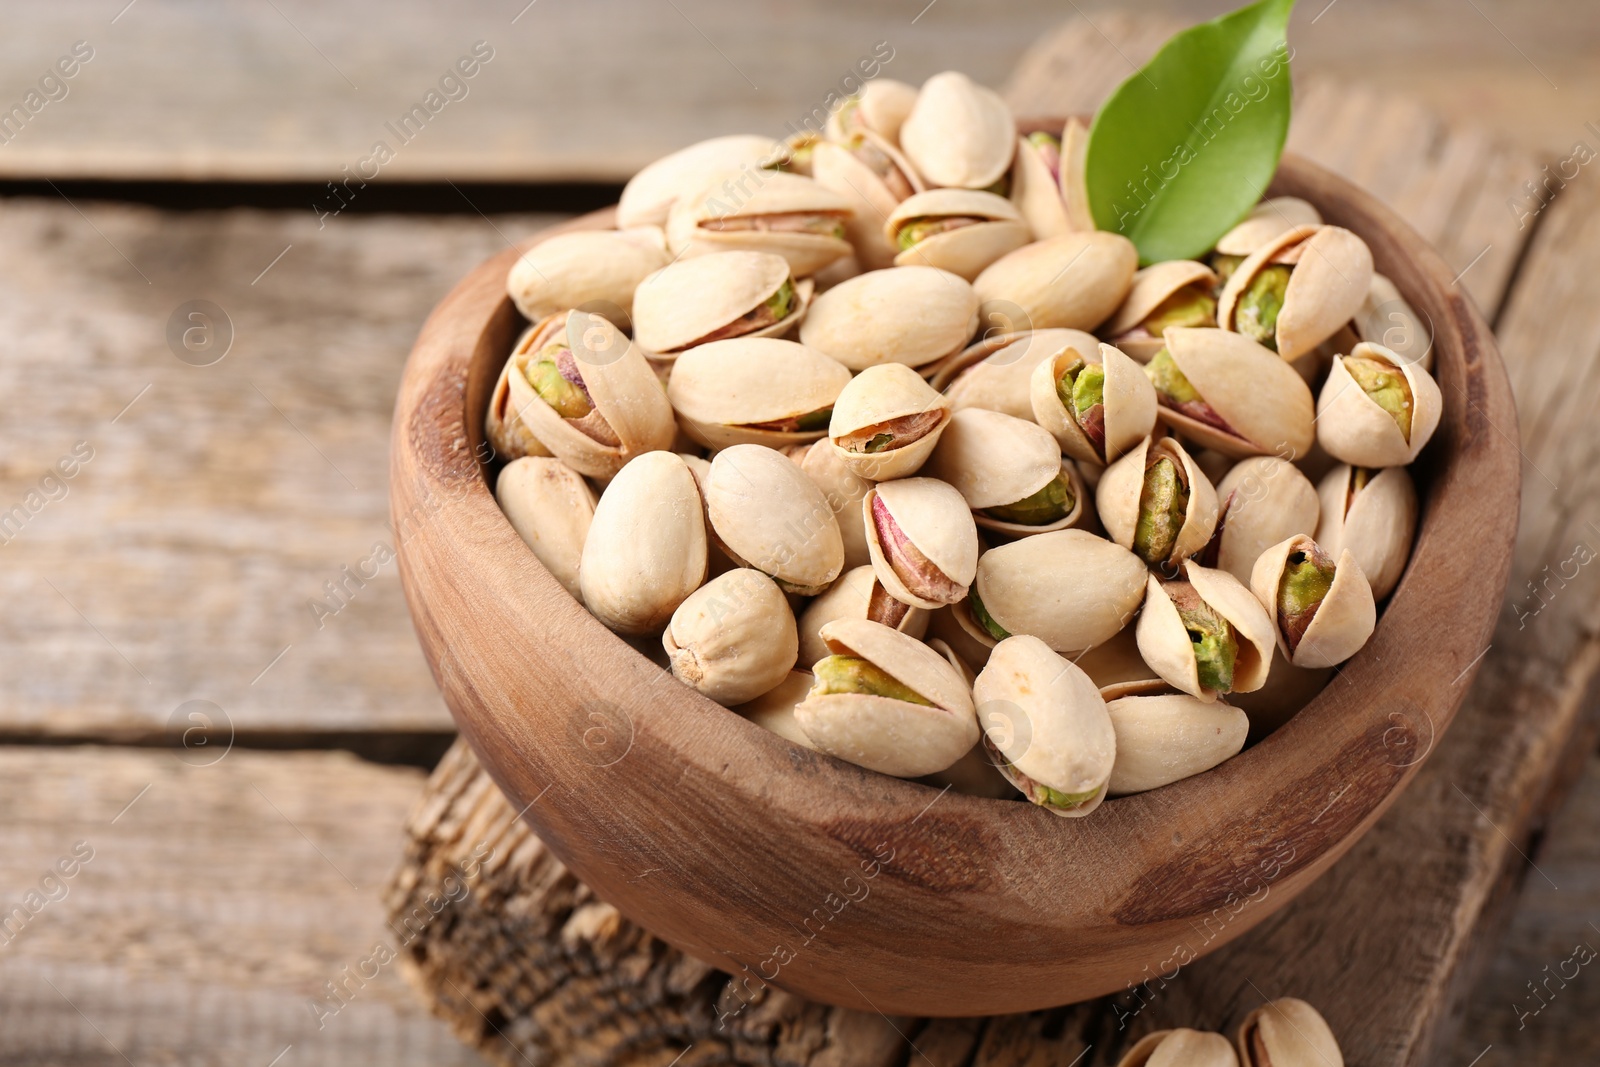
(1283, 1033)
(870, 436)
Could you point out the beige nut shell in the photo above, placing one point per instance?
(1165, 736)
(1070, 588)
(965, 251)
(1075, 281)
(1164, 643)
(1266, 222)
(587, 267)
(1152, 286)
(844, 490)
(1386, 318)
(1255, 391)
(1263, 500)
(993, 459)
(550, 506)
(649, 195)
(959, 133)
(1129, 404)
(881, 107)
(734, 638)
(692, 298)
(1121, 487)
(761, 193)
(1353, 429)
(502, 425)
(1328, 285)
(1295, 1035)
(773, 518)
(1343, 622)
(935, 519)
(912, 315)
(722, 391)
(996, 372)
(834, 167)
(855, 594)
(1377, 526)
(876, 395)
(773, 710)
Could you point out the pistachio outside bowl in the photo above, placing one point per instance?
(790, 868)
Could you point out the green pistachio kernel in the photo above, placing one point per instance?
(567, 399)
(1305, 583)
(879, 442)
(1163, 503)
(1044, 796)
(1387, 386)
(1256, 315)
(1189, 306)
(814, 420)
(1089, 389)
(1215, 646)
(1169, 380)
(1068, 380)
(1041, 139)
(850, 674)
(1041, 508)
(782, 302)
(1001, 185)
(984, 619)
(916, 230)
(1224, 266)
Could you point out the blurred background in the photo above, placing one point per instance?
(219, 235)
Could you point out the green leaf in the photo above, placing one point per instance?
(1185, 147)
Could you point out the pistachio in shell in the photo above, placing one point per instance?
(1298, 289)
(550, 506)
(873, 177)
(1224, 391)
(1180, 1048)
(1178, 292)
(1386, 318)
(1096, 409)
(1156, 502)
(734, 638)
(1266, 222)
(755, 391)
(1205, 634)
(772, 518)
(773, 710)
(717, 297)
(1045, 726)
(959, 134)
(1373, 515)
(962, 231)
(1323, 610)
(880, 107)
(844, 490)
(855, 594)
(1165, 735)
(922, 539)
(649, 195)
(1070, 588)
(996, 371)
(1075, 281)
(1375, 409)
(586, 267)
(1009, 471)
(910, 315)
(1262, 500)
(503, 427)
(1287, 1033)
(887, 702)
(1047, 182)
(646, 549)
(763, 211)
(886, 422)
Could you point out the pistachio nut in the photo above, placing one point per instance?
(1288, 689)
(1047, 181)
(755, 391)
(958, 230)
(734, 638)
(1009, 471)
(649, 195)
(1287, 1033)
(774, 710)
(586, 267)
(1385, 318)
(1175, 293)
(911, 315)
(959, 134)
(1098, 410)
(886, 422)
(1263, 499)
(550, 506)
(1266, 222)
(996, 372)
(1373, 515)
(887, 702)
(1375, 409)
(946, 625)
(1298, 289)
(855, 594)
(1205, 634)
(798, 153)
(591, 397)
(1069, 588)
(504, 429)
(762, 211)
(1116, 661)
(774, 519)
(840, 270)
(1178, 1048)
(1221, 390)
(1046, 726)
(646, 549)
(1156, 501)
(1076, 280)
(880, 107)
(718, 298)
(1323, 610)
(922, 540)
(1164, 735)
(844, 490)
(873, 177)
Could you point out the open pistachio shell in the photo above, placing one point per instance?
(1164, 735)
(1344, 618)
(550, 506)
(1386, 318)
(772, 518)
(1263, 500)
(649, 194)
(959, 134)
(1179, 1048)
(762, 391)
(886, 422)
(1069, 588)
(762, 211)
(873, 177)
(774, 709)
(1046, 725)
(1354, 428)
(997, 371)
(1000, 465)
(922, 540)
(1330, 270)
(646, 549)
(1166, 643)
(1264, 406)
(1287, 1033)
(844, 490)
(1075, 281)
(958, 230)
(880, 107)
(501, 424)
(1372, 514)
(911, 315)
(887, 702)
(599, 267)
(1266, 222)
(1124, 415)
(1139, 323)
(1143, 518)
(1074, 187)
(1036, 187)
(717, 297)
(734, 638)
(855, 594)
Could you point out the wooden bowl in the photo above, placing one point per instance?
(841, 885)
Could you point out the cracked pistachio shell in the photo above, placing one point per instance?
(1343, 622)
(968, 249)
(734, 638)
(1051, 195)
(1153, 286)
(959, 134)
(1266, 222)
(1264, 499)
(884, 734)
(911, 315)
(624, 391)
(773, 518)
(751, 194)
(680, 305)
(1164, 642)
(1164, 735)
(875, 398)
(571, 270)
(994, 460)
(1128, 405)
(1386, 318)
(1076, 281)
(844, 490)
(729, 392)
(1332, 270)
(1117, 498)
(550, 506)
(1179, 1048)
(1376, 523)
(649, 194)
(646, 549)
(880, 107)
(774, 709)
(1287, 1033)
(870, 194)
(1069, 588)
(1046, 723)
(937, 527)
(1254, 391)
(502, 425)
(997, 371)
(855, 594)
(1353, 429)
